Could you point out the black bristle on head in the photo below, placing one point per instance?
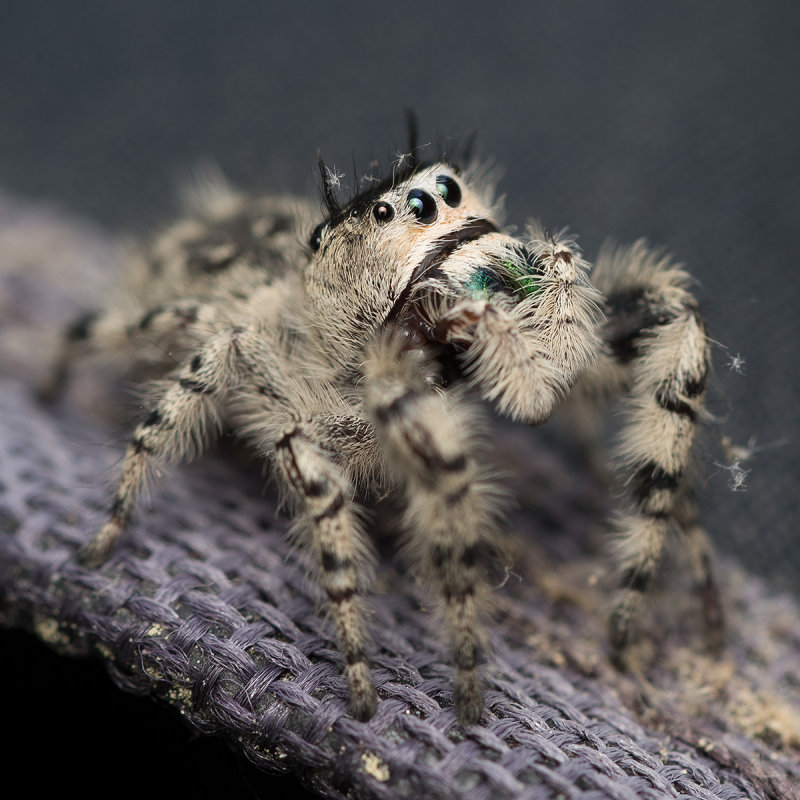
(331, 203)
(412, 127)
(466, 150)
(458, 153)
(356, 179)
(402, 169)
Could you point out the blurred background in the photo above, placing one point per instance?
(678, 122)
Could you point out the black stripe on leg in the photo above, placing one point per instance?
(115, 511)
(186, 316)
(670, 400)
(316, 488)
(471, 553)
(145, 321)
(310, 489)
(457, 594)
(455, 497)
(385, 413)
(332, 509)
(651, 478)
(284, 442)
(356, 656)
(468, 660)
(138, 446)
(434, 462)
(196, 387)
(152, 419)
(81, 328)
(695, 387)
(630, 316)
(339, 596)
(442, 554)
(671, 397)
(331, 562)
(635, 579)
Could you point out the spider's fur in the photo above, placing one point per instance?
(348, 363)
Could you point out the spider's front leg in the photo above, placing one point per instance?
(431, 447)
(658, 350)
(306, 454)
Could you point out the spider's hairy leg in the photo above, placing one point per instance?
(177, 425)
(74, 339)
(700, 554)
(525, 357)
(128, 337)
(658, 349)
(341, 552)
(430, 442)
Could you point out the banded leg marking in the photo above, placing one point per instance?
(342, 556)
(655, 334)
(449, 512)
(180, 423)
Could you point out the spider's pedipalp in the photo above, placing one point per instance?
(524, 357)
(506, 358)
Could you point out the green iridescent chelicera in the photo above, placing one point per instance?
(479, 283)
(483, 282)
(526, 283)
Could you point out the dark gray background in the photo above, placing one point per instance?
(676, 121)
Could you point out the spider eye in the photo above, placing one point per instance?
(449, 190)
(422, 205)
(382, 212)
(315, 239)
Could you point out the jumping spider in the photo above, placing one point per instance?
(348, 359)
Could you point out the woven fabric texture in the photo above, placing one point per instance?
(207, 607)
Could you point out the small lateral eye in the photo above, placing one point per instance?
(382, 212)
(449, 190)
(422, 205)
(315, 240)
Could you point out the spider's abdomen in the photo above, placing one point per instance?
(232, 245)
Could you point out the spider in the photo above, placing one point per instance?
(353, 359)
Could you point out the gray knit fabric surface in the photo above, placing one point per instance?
(207, 607)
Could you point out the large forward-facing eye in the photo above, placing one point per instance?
(315, 240)
(422, 205)
(449, 190)
(382, 211)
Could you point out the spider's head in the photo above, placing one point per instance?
(431, 223)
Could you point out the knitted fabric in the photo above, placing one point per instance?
(207, 606)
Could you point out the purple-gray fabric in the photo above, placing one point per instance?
(207, 607)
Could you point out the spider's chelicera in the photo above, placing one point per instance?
(348, 359)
